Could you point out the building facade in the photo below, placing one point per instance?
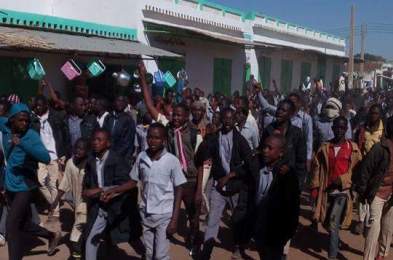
(219, 47)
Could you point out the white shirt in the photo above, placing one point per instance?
(100, 162)
(264, 181)
(47, 138)
(159, 179)
(251, 120)
(101, 119)
(162, 119)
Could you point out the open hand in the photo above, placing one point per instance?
(142, 70)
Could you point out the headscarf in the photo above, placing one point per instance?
(334, 109)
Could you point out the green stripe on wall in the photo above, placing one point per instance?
(9, 17)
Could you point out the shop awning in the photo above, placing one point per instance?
(209, 34)
(19, 38)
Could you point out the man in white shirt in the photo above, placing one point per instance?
(54, 135)
(161, 177)
(247, 129)
(100, 109)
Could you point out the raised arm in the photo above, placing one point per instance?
(265, 104)
(146, 94)
(52, 94)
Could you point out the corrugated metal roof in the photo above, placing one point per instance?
(59, 42)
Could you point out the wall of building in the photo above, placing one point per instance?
(198, 54)
(115, 12)
(297, 57)
(199, 58)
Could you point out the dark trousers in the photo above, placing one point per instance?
(192, 211)
(19, 222)
(271, 253)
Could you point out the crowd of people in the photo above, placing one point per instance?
(126, 167)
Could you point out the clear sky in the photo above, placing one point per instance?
(332, 16)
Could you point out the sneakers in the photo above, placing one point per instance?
(53, 243)
(2, 240)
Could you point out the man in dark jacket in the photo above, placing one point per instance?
(122, 129)
(55, 137)
(104, 170)
(374, 184)
(233, 166)
(182, 139)
(296, 143)
(79, 122)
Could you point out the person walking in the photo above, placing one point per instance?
(333, 166)
(23, 149)
(374, 185)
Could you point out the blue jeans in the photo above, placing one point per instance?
(337, 203)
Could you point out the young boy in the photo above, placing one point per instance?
(104, 170)
(277, 201)
(374, 185)
(72, 182)
(183, 140)
(331, 182)
(161, 177)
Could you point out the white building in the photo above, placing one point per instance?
(219, 46)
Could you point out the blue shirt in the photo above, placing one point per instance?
(74, 125)
(304, 122)
(263, 184)
(159, 179)
(251, 134)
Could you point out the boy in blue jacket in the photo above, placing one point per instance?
(23, 150)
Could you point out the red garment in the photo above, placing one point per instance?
(339, 165)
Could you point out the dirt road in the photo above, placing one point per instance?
(308, 244)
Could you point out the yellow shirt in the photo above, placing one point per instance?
(371, 138)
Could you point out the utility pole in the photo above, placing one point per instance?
(363, 47)
(351, 48)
